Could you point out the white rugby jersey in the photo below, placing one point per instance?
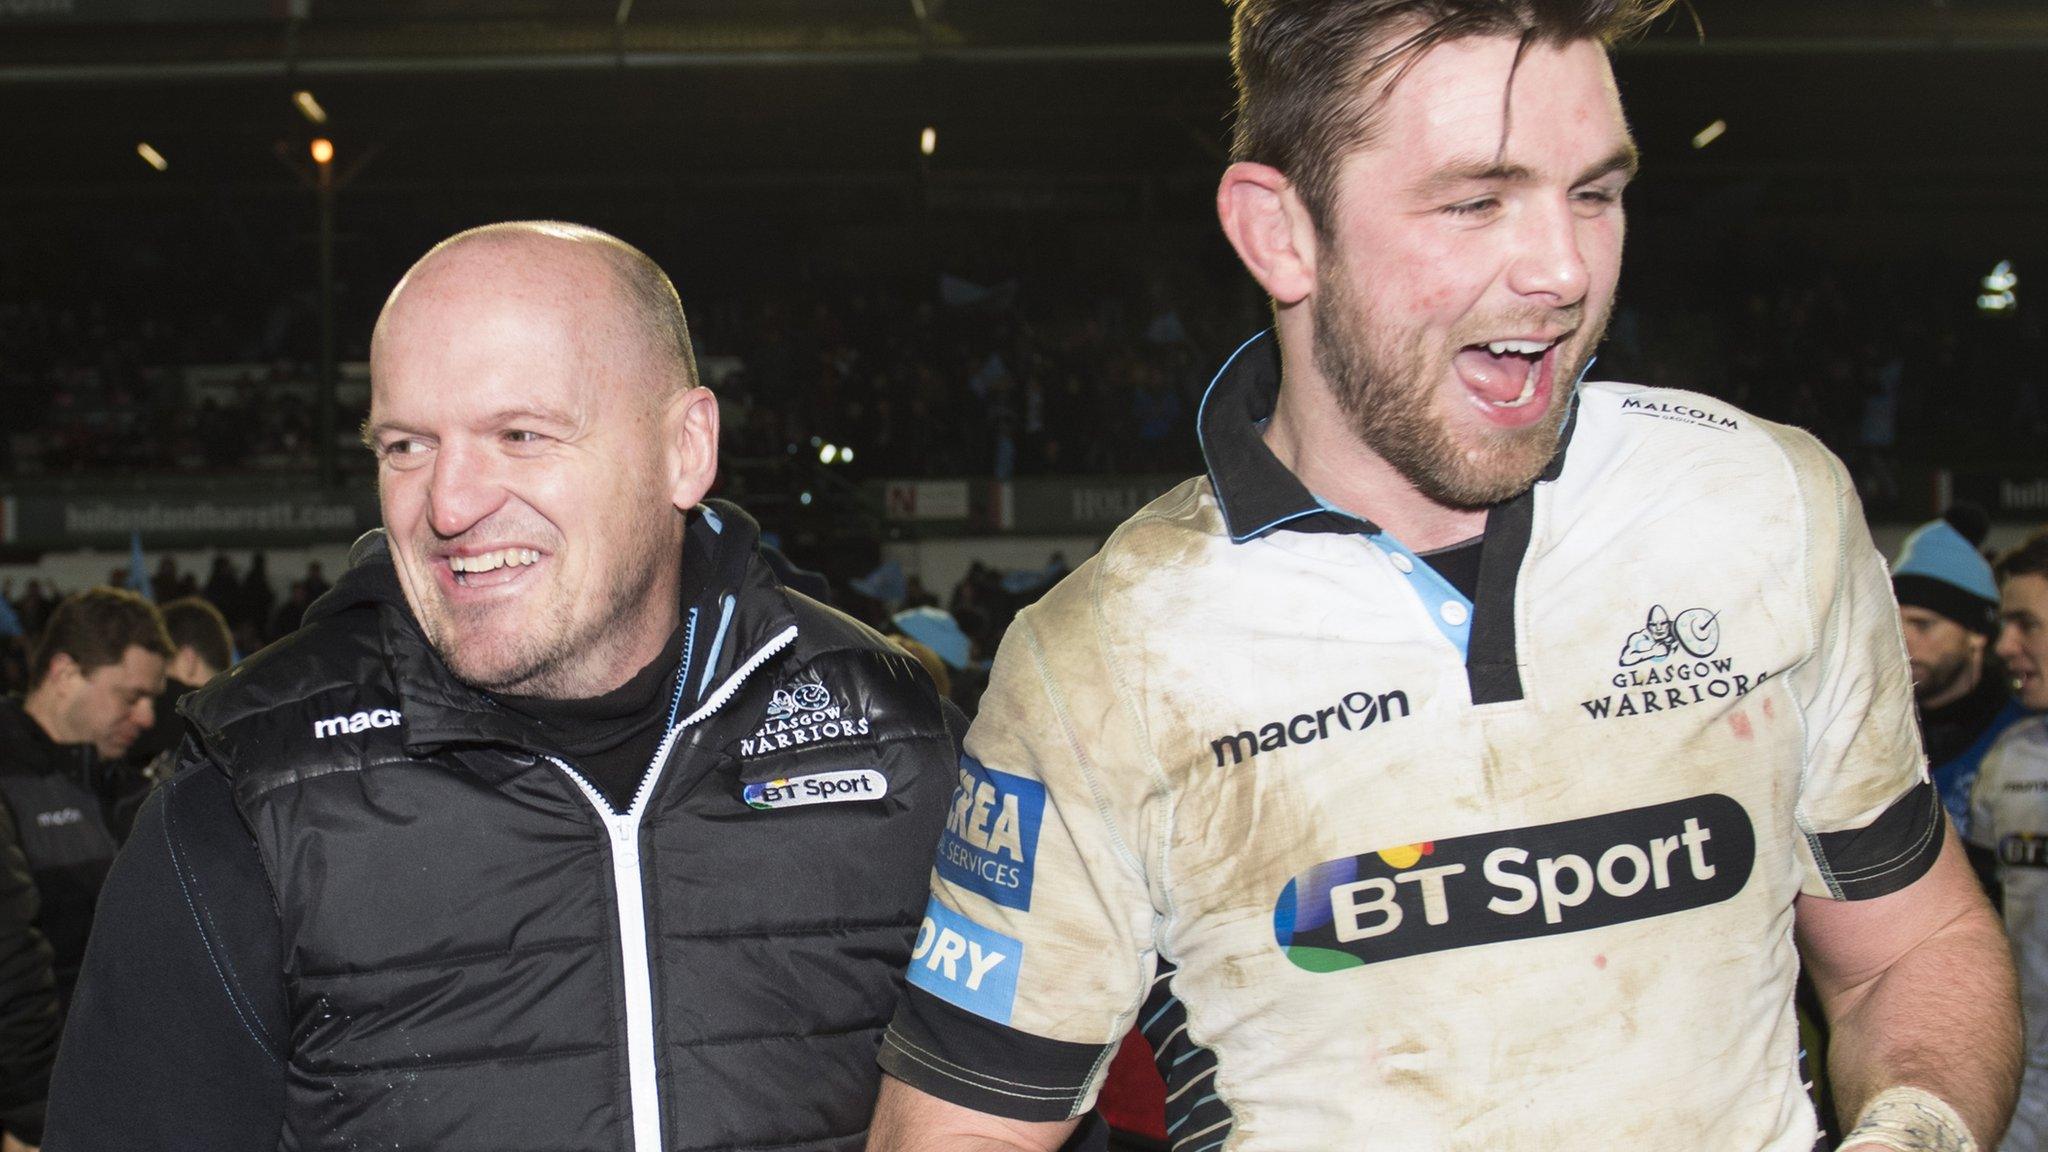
(2009, 817)
(1426, 872)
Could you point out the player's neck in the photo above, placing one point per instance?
(1312, 435)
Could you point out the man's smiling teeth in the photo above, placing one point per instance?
(1519, 347)
(492, 561)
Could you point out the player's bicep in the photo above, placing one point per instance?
(1848, 944)
(908, 1119)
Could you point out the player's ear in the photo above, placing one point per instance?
(1266, 221)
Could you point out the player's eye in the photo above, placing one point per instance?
(1478, 207)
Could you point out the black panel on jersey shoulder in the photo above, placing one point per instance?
(963, 1059)
(1886, 854)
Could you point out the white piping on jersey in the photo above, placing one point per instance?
(630, 891)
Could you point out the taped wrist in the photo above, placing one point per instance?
(1911, 1120)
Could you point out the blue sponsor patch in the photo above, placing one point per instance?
(991, 835)
(965, 964)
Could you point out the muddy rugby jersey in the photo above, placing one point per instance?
(2009, 817)
(1416, 871)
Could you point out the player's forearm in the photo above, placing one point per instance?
(1944, 1018)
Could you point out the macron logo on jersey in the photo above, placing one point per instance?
(356, 722)
(991, 837)
(965, 964)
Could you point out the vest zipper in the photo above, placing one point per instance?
(627, 886)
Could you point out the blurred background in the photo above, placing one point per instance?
(952, 265)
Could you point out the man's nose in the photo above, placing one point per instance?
(2008, 646)
(464, 490)
(1550, 262)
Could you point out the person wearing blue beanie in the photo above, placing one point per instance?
(1948, 605)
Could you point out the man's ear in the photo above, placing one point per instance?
(1266, 221)
(690, 436)
(62, 673)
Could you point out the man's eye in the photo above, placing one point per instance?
(521, 436)
(1473, 207)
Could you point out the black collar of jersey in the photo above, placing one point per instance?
(1256, 492)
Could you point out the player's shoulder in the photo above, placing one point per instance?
(1670, 431)
(1178, 532)
(2024, 739)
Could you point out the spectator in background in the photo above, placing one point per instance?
(2009, 820)
(94, 677)
(258, 598)
(1948, 605)
(204, 649)
(316, 582)
(223, 589)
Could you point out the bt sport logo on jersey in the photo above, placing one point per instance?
(1516, 884)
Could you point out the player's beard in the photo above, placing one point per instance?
(1387, 382)
(1938, 679)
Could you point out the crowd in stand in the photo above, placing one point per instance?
(246, 598)
(958, 379)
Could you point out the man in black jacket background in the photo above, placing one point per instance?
(560, 823)
(93, 676)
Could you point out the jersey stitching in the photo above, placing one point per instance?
(973, 1080)
(1814, 640)
(1059, 706)
(1904, 858)
(894, 1034)
(203, 922)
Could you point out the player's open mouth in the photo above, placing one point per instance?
(1510, 379)
(492, 569)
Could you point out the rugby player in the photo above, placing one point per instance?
(1456, 763)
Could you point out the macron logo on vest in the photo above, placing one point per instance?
(355, 722)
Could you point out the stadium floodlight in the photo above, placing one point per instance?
(1999, 294)
(828, 454)
(1709, 134)
(928, 140)
(309, 107)
(152, 157)
(846, 455)
(804, 499)
(323, 151)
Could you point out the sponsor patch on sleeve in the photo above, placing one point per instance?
(816, 788)
(965, 964)
(991, 837)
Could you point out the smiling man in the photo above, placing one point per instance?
(1456, 763)
(560, 823)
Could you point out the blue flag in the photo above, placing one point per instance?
(138, 568)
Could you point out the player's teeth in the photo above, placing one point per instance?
(1528, 391)
(1520, 347)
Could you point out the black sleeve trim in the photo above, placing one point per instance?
(1013, 1074)
(1887, 854)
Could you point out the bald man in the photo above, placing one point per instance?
(560, 824)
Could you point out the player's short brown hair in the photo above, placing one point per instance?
(2028, 558)
(193, 623)
(1308, 71)
(96, 628)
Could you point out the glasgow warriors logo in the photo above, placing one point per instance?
(1696, 631)
(1671, 662)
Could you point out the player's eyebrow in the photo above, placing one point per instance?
(1624, 159)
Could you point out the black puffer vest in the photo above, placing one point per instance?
(481, 956)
